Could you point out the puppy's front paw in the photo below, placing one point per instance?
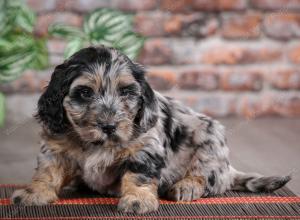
(186, 190)
(29, 197)
(132, 203)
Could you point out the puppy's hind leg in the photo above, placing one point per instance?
(191, 187)
(187, 189)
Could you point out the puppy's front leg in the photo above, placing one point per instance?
(138, 193)
(53, 172)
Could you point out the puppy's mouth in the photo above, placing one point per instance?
(107, 138)
(98, 142)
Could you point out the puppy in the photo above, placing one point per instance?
(102, 122)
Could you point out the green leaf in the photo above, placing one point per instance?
(25, 19)
(39, 55)
(19, 48)
(21, 52)
(73, 46)
(130, 44)
(14, 66)
(64, 31)
(97, 18)
(2, 109)
(113, 28)
(15, 17)
(101, 27)
(106, 25)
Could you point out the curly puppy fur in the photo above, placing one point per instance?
(102, 122)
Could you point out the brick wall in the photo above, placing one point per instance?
(222, 57)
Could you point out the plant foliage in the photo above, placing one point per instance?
(2, 109)
(103, 26)
(19, 48)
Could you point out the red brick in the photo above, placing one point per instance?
(56, 59)
(56, 46)
(222, 53)
(241, 26)
(276, 4)
(253, 106)
(216, 105)
(159, 51)
(184, 51)
(232, 4)
(82, 6)
(41, 6)
(284, 78)
(204, 79)
(211, 103)
(90, 5)
(45, 20)
(134, 5)
(286, 104)
(189, 25)
(163, 24)
(241, 79)
(188, 51)
(161, 79)
(150, 24)
(29, 82)
(219, 5)
(294, 53)
(270, 103)
(173, 25)
(159, 24)
(205, 5)
(175, 6)
(155, 51)
(282, 25)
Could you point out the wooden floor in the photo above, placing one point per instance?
(270, 146)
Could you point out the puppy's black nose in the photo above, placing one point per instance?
(108, 128)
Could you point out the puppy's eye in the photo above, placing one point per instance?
(128, 90)
(86, 93)
(82, 93)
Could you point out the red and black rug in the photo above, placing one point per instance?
(282, 204)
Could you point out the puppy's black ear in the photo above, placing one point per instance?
(147, 114)
(51, 112)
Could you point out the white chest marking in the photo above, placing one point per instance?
(95, 169)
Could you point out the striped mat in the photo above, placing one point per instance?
(85, 204)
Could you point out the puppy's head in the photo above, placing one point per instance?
(101, 95)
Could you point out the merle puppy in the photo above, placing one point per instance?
(102, 122)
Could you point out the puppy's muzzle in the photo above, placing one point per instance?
(108, 128)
